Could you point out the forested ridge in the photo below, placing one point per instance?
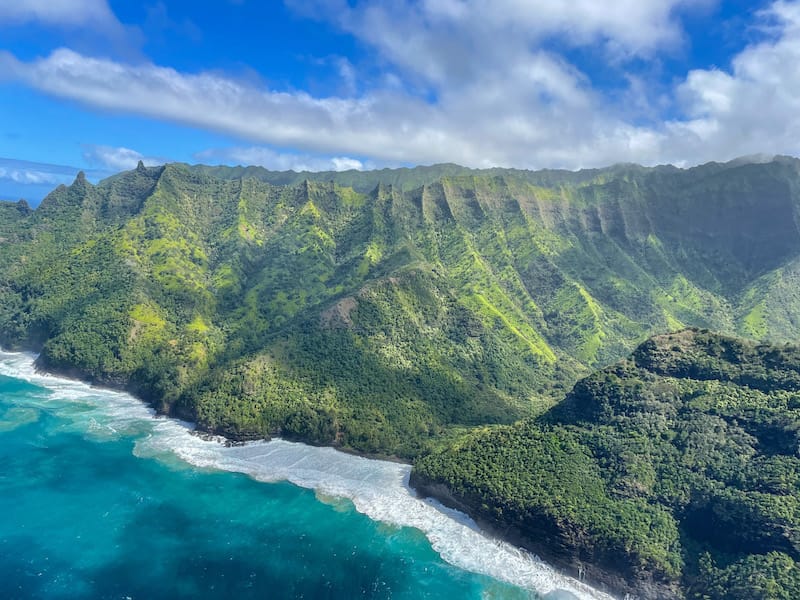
(427, 313)
(673, 473)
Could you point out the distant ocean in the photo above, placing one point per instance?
(99, 499)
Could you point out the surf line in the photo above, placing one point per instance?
(378, 489)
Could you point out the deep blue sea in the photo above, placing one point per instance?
(99, 499)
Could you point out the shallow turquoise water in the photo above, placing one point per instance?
(82, 516)
(99, 499)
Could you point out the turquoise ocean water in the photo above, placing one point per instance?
(98, 499)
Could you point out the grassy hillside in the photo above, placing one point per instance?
(388, 311)
(674, 473)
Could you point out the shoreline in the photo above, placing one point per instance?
(587, 573)
(75, 374)
(459, 515)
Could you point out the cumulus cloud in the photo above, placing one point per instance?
(755, 106)
(457, 40)
(470, 81)
(116, 158)
(279, 161)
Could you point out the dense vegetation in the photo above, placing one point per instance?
(674, 472)
(423, 312)
(256, 302)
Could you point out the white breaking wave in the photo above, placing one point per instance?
(378, 489)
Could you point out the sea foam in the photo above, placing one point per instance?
(378, 489)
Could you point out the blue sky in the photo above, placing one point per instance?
(336, 84)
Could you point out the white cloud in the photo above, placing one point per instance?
(498, 97)
(279, 161)
(116, 158)
(753, 108)
(368, 125)
(34, 180)
(31, 176)
(483, 127)
(72, 13)
(343, 163)
(451, 41)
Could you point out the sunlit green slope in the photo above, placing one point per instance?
(386, 311)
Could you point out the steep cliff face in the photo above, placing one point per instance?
(670, 474)
(475, 296)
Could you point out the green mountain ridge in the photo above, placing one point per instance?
(400, 313)
(477, 297)
(672, 474)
